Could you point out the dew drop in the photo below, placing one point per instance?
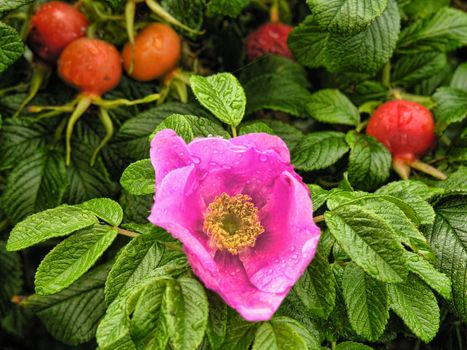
(196, 160)
(263, 158)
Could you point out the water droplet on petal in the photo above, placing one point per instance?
(263, 158)
(196, 160)
(212, 163)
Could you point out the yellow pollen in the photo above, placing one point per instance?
(232, 223)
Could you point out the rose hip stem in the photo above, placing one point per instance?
(93, 67)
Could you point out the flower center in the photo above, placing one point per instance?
(232, 223)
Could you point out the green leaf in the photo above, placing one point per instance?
(144, 257)
(11, 45)
(423, 8)
(331, 106)
(8, 5)
(116, 4)
(138, 178)
(458, 150)
(36, 183)
(411, 69)
(189, 127)
(113, 331)
(240, 333)
(318, 150)
(400, 216)
(85, 182)
(316, 288)
(132, 139)
(282, 83)
(50, 223)
(180, 124)
(411, 188)
(435, 279)
(369, 241)
(346, 16)
(319, 195)
(367, 302)
(416, 304)
(369, 161)
(230, 8)
(451, 106)
(185, 311)
(448, 235)
(105, 209)
(20, 140)
(290, 134)
(456, 180)
(459, 78)
(414, 194)
(350, 345)
(73, 314)
(147, 326)
(10, 278)
(254, 127)
(189, 12)
(281, 333)
(444, 31)
(366, 51)
(222, 95)
(217, 323)
(71, 258)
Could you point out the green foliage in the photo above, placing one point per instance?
(8, 5)
(367, 302)
(230, 8)
(51, 223)
(364, 51)
(138, 178)
(318, 150)
(188, 126)
(105, 209)
(133, 139)
(71, 258)
(451, 106)
(10, 278)
(282, 333)
(11, 45)
(222, 95)
(444, 31)
(36, 183)
(369, 241)
(346, 16)
(72, 315)
(143, 258)
(179, 315)
(416, 304)
(369, 162)
(411, 69)
(459, 78)
(331, 106)
(282, 84)
(447, 235)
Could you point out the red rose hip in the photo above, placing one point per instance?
(270, 38)
(53, 27)
(91, 66)
(407, 129)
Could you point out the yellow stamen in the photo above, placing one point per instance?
(232, 223)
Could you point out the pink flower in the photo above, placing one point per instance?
(242, 213)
